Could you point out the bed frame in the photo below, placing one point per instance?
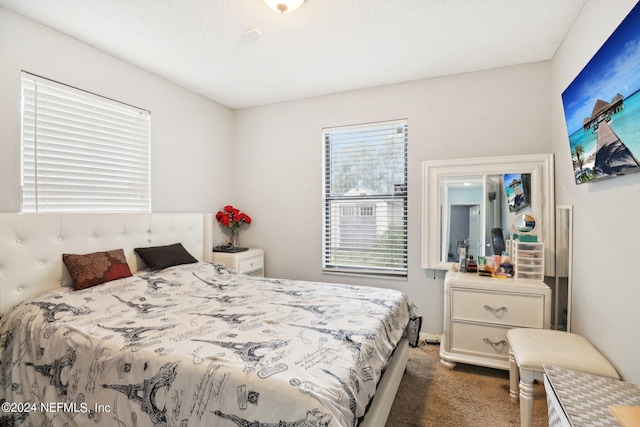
(31, 248)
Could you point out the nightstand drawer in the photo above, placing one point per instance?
(525, 310)
(250, 264)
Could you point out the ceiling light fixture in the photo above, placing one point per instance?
(284, 6)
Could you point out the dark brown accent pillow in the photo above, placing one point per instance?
(96, 268)
(159, 257)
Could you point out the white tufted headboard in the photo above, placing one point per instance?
(31, 245)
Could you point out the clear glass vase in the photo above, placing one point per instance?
(233, 237)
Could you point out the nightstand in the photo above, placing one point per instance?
(250, 262)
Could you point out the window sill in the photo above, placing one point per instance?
(399, 277)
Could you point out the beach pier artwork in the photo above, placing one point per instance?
(602, 107)
(599, 149)
(612, 156)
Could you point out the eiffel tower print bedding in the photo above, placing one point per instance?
(199, 345)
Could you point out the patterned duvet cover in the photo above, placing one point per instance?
(199, 345)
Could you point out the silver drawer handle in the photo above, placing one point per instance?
(495, 344)
(495, 310)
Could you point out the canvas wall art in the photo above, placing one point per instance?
(602, 107)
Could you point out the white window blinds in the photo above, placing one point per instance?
(82, 152)
(365, 199)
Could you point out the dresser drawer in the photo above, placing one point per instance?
(512, 309)
(479, 339)
(250, 264)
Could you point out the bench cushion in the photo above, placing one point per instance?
(534, 347)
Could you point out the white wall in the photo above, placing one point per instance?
(606, 289)
(191, 136)
(496, 112)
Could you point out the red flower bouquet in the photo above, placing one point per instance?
(232, 218)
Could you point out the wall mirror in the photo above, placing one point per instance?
(465, 199)
(564, 262)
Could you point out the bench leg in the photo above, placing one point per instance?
(514, 377)
(526, 397)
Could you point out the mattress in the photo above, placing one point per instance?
(200, 345)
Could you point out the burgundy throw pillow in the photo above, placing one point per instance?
(96, 268)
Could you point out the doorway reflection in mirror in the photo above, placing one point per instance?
(472, 207)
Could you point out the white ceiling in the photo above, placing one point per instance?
(240, 53)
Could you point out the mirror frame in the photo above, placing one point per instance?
(541, 168)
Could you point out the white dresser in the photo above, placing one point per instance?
(478, 312)
(249, 262)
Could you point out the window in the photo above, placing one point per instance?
(82, 152)
(365, 199)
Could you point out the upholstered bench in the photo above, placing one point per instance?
(532, 348)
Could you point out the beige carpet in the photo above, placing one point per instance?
(466, 396)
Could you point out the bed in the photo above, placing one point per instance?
(192, 344)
